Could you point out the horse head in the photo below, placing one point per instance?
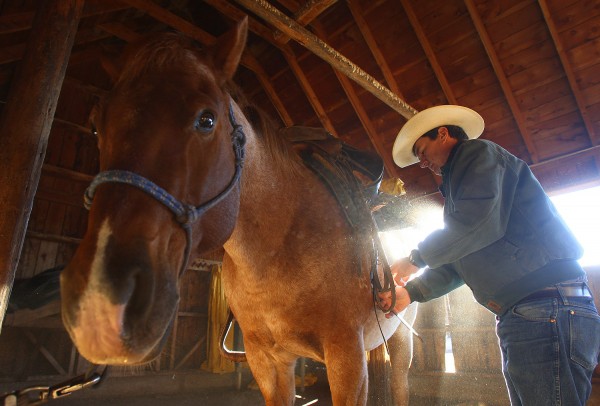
(170, 154)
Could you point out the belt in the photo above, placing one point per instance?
(568, 291)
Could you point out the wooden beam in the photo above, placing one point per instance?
(53, 238)
(67, 173)
(262, 76)
(25, 126)
(305, 15)
(309, 91)
(233, 12)
(577, 94)
(358, 14)
(508, 93)
(205, 38)
(49, 357)
(266, 11)
(365, 120)
(16, 22)
(190, 352)
(433, 61)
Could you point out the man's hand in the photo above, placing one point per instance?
(402, 301)
(402, 269)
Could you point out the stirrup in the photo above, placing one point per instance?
(389, 286)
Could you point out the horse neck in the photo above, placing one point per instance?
(276, 202)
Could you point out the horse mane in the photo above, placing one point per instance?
(268, 132)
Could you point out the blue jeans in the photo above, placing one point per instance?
(549, 350)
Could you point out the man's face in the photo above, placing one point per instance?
(433, 154)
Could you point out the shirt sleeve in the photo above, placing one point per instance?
(433, 283)
(479, 194)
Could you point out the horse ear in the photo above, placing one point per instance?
(228, 49)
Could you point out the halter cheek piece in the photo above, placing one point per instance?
(185, 214)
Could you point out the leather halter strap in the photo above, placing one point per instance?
(185, 214)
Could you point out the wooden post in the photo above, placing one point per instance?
(25, 126)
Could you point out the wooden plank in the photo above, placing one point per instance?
(367, 34)
(205, 38)
(431, 57)
(307, 13)
(25, 126)
(489, 48)
(327, 53)
(595, 138)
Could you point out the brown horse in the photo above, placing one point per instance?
(184, 172)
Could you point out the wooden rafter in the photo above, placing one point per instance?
(16, 22)
(508, 93)
(267, 34)
(307, 13)
(594, 138)
(366, 122)
(262, 76)
(357, 14)
(189, 29)
(328, 54)
(309, 91)
(433, 60)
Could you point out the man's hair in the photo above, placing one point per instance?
(454, 131)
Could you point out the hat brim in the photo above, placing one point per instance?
(469, 120)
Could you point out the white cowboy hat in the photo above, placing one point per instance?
(428, 119)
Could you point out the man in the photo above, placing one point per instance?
(504, 239)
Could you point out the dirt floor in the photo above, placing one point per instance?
(190, 388)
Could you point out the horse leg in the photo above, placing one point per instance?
(400, 345)
(347, 372)
(274, 375)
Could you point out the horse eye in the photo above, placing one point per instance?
(205, 122)
(94, 130)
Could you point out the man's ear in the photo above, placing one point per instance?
(443, 133)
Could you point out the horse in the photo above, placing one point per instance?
(184, 171)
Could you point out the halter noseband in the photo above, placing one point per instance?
(185, 214)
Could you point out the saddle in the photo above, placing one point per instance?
(354, 177)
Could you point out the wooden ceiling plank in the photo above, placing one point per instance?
(16, 22)
(577, 94)
(233, 12)
(262, 76)
(310, 93)
(67, 173)
(433, 60)
(328, 54)
(205, 38)
(365, 120)
(305, 15)
(172, 20)
(120, 30)
(367, 34)
(508, 93)
(15, 53)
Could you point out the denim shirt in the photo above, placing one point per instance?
(502, 235)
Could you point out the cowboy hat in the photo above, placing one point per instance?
(469, 120)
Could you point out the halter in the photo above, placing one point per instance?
(185, 214)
